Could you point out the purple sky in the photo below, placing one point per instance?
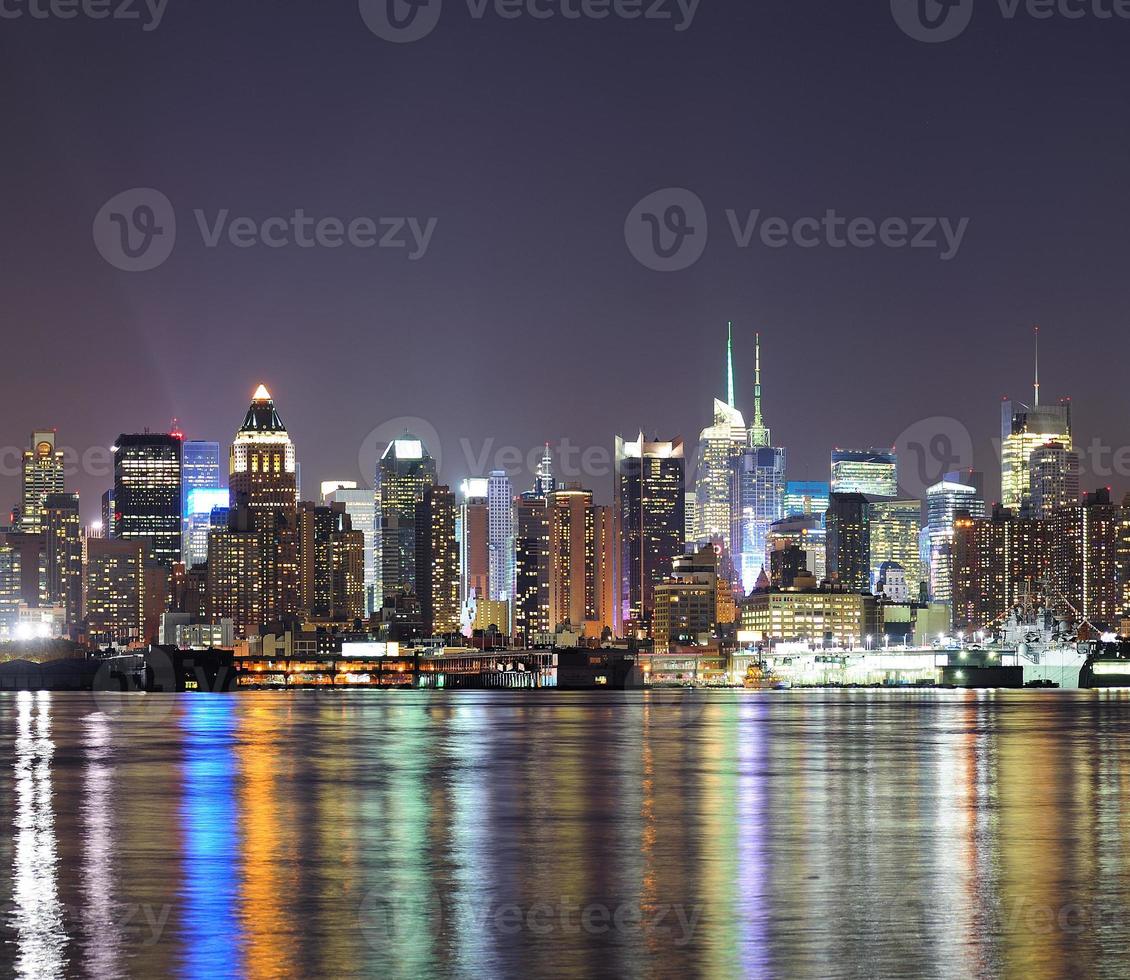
(530, 141)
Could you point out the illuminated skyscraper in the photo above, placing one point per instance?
(234, 584)
(870, 471)
(262, 480)
(200, 469)
(1083, 559)
(803, 497)
(147, 493)
(500, 526)
(545, 484)
(719, 446)
(848, 537)
(199, 504)
(650, 501)
(42, 474)
(474, 544)
(362, 511)
(531, 566)
(62, 531)
(404, 473)
(943, 502)
(805, 532)
(114, 590)
(895, 529)
(758, 492)
(437, 561)
(578, 561)
(997, 563)
(1053, 479)
(1024, 428)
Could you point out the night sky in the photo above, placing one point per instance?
(530, 141)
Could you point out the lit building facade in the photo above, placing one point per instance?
(474, 539)
(500, 530)
(114, 591)
(531, 566)
(816, 615)
(944, 500)
(404, 473)
(1053, 479)
(806, 532)
(868, 471)
(43, 474)
(1083, 559)
(848, 538)
(199, 504)
(437, 562)
(804, 497)
(650, 501)
(1024, 429)
(262, 480)
(362, 510)
(895, 529)
(62, 533)
(147, 493)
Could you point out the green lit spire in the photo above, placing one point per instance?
(758, 434)
(730, 365)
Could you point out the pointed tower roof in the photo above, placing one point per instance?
(261, 416)
(759, 434)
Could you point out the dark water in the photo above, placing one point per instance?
(478, 834)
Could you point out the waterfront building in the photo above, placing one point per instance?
(805, 497)
(998, 564)
(1083, 559)
(500, 527)
(650, 501)
(848, 540)
(758, 491)
(262, 479)
(1053, 473)
(114, 590)
(531, 566)
(405, 471)
(581, 570)
(867, 471)
(43, 474)
(957, 493)
(437, 562)
(474, 539)
(62, 533)
(147, 493)
(362, 510)
(686, 605)
(810, 613)
(895, 526)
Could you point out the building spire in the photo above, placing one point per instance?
(758, 433)
(1037, 367)
(730, 364)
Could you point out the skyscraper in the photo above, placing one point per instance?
(848, 537)
(1053, 479)
(531, 566)
(437, 561)
(404, 473)
(895, 529)
(42, 474)
(803, 497)
(200, 470)
(147, 493)
(500, 526)
(262, 480)
(649, 491)
(362, 511)
(944, 501)
(1024, 428)
(199, 504)
(869, 471)
(1083, 559)
(114, 590)
(62, 531)
(719, 445)
(574, 562)
(758, 490)
(474, 547)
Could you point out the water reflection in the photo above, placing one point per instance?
(476, 834)
(38, 916)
